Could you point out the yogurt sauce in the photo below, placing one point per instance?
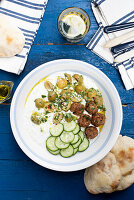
(76, 25)
(39, 133)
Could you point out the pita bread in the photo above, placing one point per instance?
(12, 39)
(115, 171)
(104, 176)
(126, 181)
(124, 153)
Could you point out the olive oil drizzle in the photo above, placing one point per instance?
(4, 91)
(33, 88)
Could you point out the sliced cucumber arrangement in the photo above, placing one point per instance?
(54, 152)
(75, 151)
(66, 139)
(77, 143)
(84, 145)
(51, 143)
(60, 144)
(81, 134)
(76, 138)
(77, 129)
(69, 126)
(56, 130)
(67, 152)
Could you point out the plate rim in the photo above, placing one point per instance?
(21, 145)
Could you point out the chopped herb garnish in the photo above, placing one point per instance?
(50, 106)
(43, 96)
(102, 107)
(41, 129)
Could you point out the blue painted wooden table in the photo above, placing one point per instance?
(21, 178)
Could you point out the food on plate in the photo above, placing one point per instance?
(66, 94)
(35, 118)
(91, 93)
(115, 171)
(52, 95)
(69, 117)
(67, 139)
(84, 120)
(49, 107)
(80, 89)
(39, 103)
(98, 119)
(91, 132)
(12, 39)
(78, 78)
(57, 117)
(74, 112)
(69, 78)
(48, 85)
(98, 100)
(77, 108)
(66, 105)
(91, 107)
(62, 83)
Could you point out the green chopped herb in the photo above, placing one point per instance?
(75, 83)
(102, 107)
(43, 96)
(44, 120)
(50, 105)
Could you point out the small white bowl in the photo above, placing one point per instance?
(104, 141)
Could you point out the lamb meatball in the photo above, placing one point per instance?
(91, 132)
(77, 108)
(91, 107)
(84, 120)
(98, 119)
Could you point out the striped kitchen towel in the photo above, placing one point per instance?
(113, 12)
(27, 15)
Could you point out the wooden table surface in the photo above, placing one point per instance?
(21, 178)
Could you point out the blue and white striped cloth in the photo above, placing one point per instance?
(113, 12)
(27, 15)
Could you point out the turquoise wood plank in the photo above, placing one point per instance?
(28, 181)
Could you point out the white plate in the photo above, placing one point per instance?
(97, 149)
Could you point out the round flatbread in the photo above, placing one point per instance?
(12, 39)
(124, 154)
(126, 181)
(115, 171)
(104, 176)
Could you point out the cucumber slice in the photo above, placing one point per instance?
(50, 143)
(69, 126)
(84, 145)
(76, 138)
(77, 143)
(77, 129)
(54, 152)
(81, 134)
(60, 144)
(75, 151)
(67, 137)
(56, 130)
(67, 152)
